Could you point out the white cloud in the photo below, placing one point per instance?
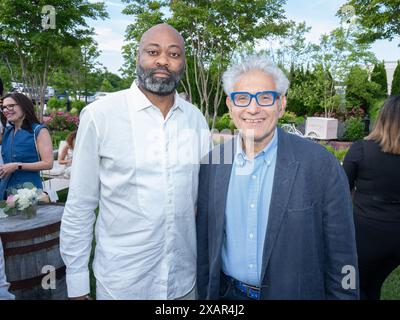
(108, 40)
(115, 4)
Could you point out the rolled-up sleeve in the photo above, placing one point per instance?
(78, 219)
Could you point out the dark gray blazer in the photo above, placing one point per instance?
(310, 233)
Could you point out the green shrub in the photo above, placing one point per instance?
(62, 121)
(353, 129)
(339, 154)
(288, 117)
(396, 80)
(56, 104)
(376, 107)
(52, 103)
(77, 104)
(57, 136)
(225, 122)
(299, 120)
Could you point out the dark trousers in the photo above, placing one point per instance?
(378, 248)
(228, 291)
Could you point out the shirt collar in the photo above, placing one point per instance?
(266, 153)
(141, 102)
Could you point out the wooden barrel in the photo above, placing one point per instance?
(33, 262)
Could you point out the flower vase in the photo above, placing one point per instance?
(30, 212)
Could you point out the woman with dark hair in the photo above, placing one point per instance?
(373, 169)
(66, 154)
(65, 157)
(26, 148)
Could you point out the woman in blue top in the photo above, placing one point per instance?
(23, 158)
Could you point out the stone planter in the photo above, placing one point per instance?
(321, 128)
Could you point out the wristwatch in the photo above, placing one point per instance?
(19, 166)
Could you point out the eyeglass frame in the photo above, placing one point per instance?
(2, 106)
(275, 95)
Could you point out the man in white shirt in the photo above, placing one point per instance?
(4, 294)
(137, 157)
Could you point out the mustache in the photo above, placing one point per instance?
(163, 69)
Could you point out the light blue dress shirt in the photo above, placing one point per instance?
(247, 210)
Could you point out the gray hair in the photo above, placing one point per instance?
(260, 63)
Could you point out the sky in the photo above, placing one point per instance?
(318, 14)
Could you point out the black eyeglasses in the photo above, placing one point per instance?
(263, 98)
(8, 107)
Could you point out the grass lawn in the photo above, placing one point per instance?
(391, 287)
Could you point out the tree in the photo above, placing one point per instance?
(379, 76)
(295, 97)
(26, 35)
(380, 19)
(115, 81)
(77, 71)
(339, 50)
(360, 92)
(106, 86)
(396, 80)
(214, 31)
(293, 48)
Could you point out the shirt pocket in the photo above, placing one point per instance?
(186, 185)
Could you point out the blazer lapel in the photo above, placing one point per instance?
(285, 174)
(220, 191)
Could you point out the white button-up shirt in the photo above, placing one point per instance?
(141, 169)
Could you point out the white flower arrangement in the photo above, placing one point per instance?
(21, 199)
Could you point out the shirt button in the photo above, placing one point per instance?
(251, 236)
(269, 163)
(250, 266)
(252, 206)
(254, 177)
(170, 201)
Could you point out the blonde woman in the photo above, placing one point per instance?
(373, 169)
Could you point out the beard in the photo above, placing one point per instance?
(158, 86)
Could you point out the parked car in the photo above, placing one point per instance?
(96, 96)
(32, 92)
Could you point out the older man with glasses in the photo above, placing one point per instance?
(274, 216)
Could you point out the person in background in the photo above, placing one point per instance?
(4, 285)
(66, 155)
(26, 146)
(372, 166)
